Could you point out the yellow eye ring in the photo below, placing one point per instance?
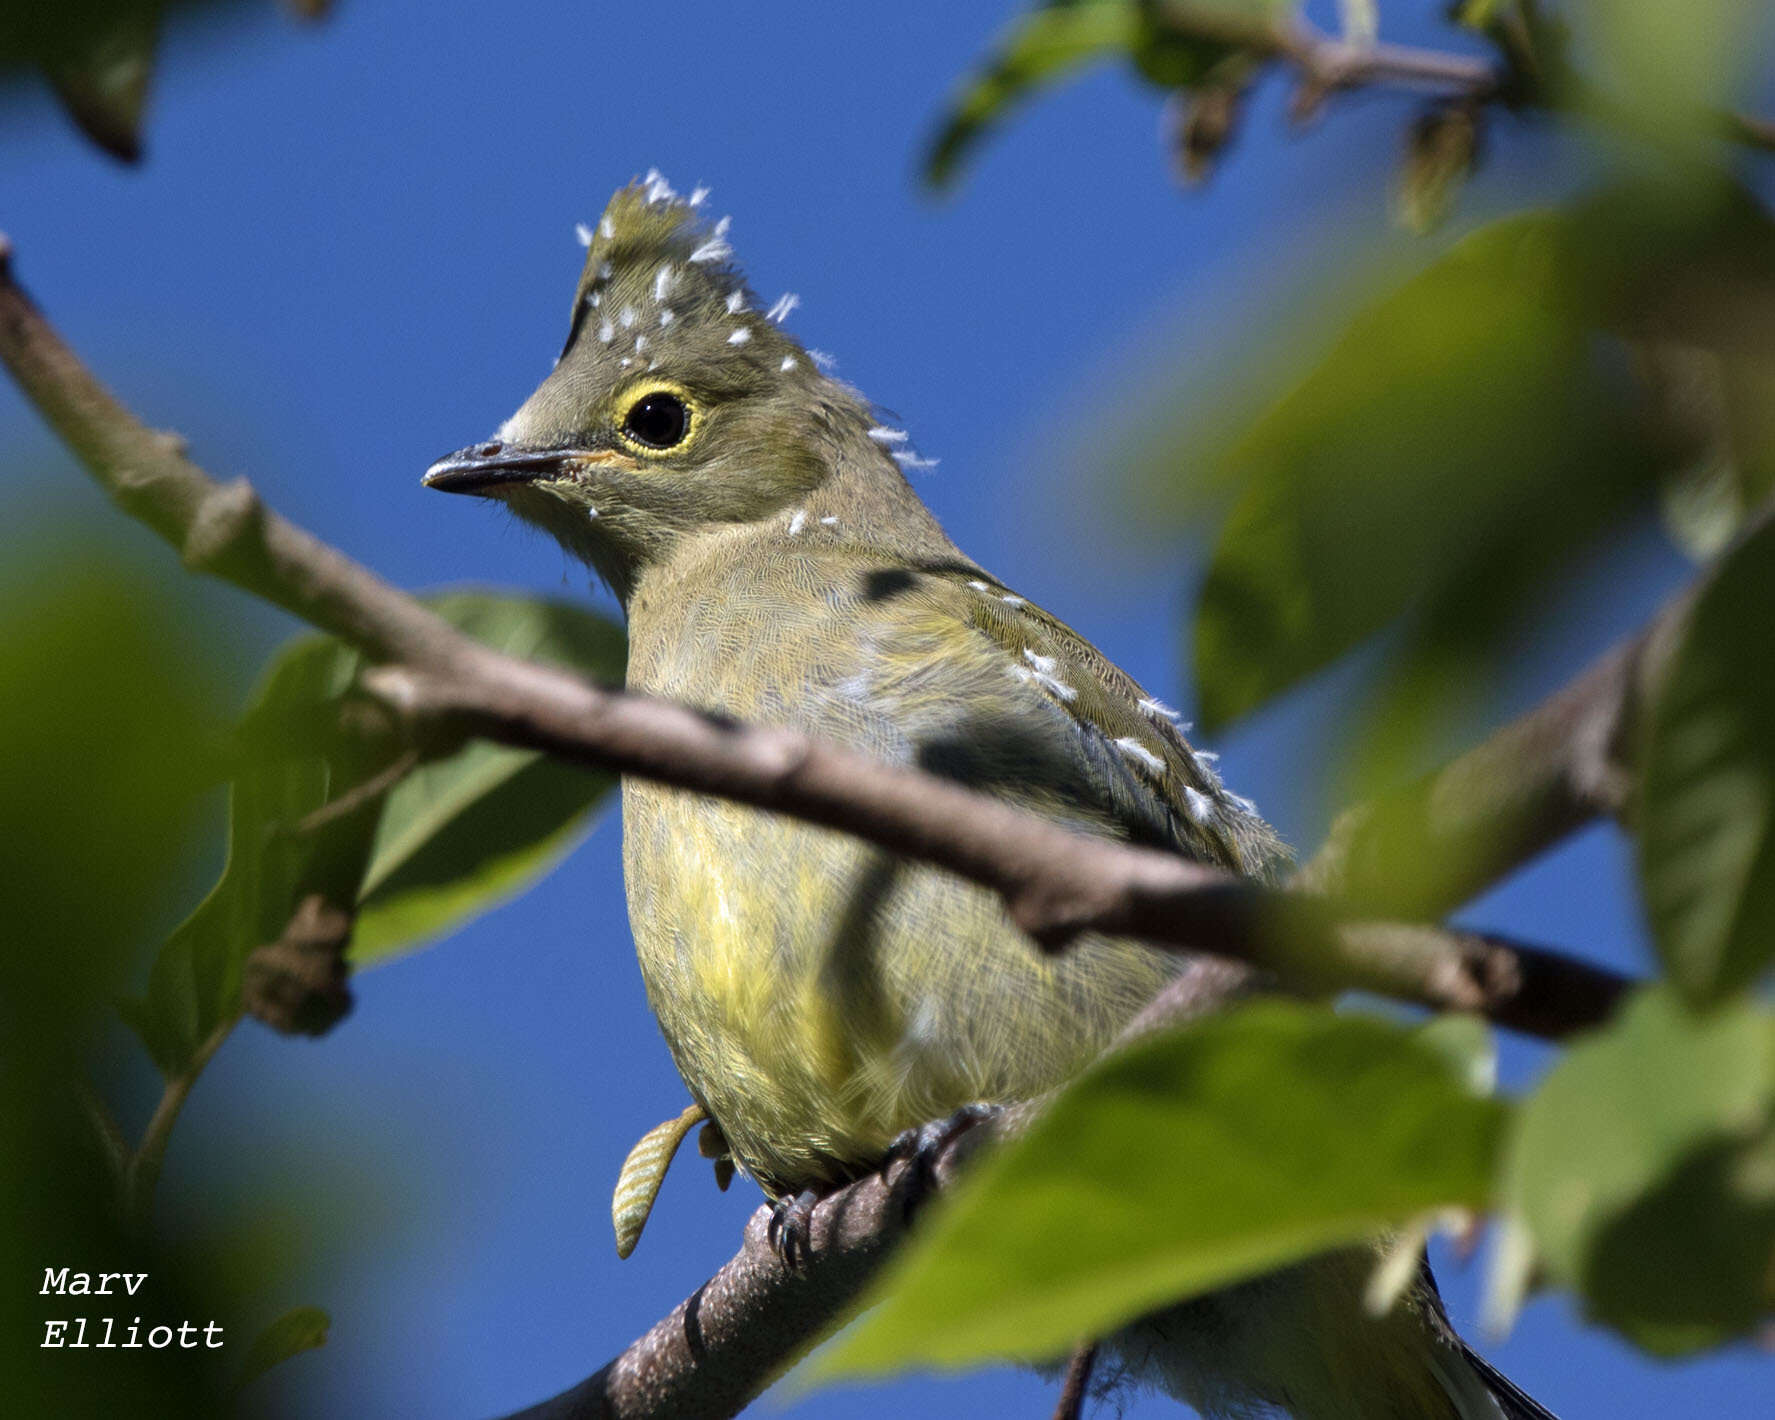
(658, 419)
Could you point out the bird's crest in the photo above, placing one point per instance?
(655, 261)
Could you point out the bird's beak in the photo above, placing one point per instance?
(483, 467)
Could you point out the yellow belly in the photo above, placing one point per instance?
(819, 997)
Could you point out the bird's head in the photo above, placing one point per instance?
(678, 405)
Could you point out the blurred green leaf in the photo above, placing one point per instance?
(103, 83)
(1706, 820)
(1644, 1169)
(1060, 37)
(1462, 446)
(1671, 64)
(1458, 437)
(1726, 402)
(301, 1329)
(1186, 1162)
(105, 745)
(1465, 1042)
(194, 983)
(106, 748)
(451, 840)
(1038, 49)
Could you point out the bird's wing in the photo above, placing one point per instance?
(999, 693)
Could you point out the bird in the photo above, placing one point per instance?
(821, 998)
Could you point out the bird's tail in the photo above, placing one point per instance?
(1515, 1403)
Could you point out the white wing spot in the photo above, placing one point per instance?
(830, 522)
(627, 317)
(739, 337)
(1158, 710)
(1041, 663)
(1013, 601)
(662, 281)
(606, 332)
(1199, 806)
(907, 459)
(797, 522)
(785, 303)
(698, 196)
(822, 359)
(584, 233)
(789, 363)
(666, 318)
(606, 229)
(884, 435)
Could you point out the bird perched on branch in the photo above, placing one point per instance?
(821, 997)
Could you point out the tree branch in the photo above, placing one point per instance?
(1057, 884)
(1327, 64)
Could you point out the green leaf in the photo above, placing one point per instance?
(1725, 405)
(1060, 37)
(301, 1329)
(1187, 1162)
(459, 836)
(194, 982)
(1706, 820)
(106, 746)
(103, 83)
(453, 838)
(528, 814)
(1678, 63)
(1644, 1170)
(1037, 50)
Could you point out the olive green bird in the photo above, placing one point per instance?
(819, 996)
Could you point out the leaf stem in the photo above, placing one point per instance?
(142, 1171)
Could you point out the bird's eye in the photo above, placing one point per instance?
(659, 420)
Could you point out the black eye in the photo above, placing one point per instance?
(658, 420)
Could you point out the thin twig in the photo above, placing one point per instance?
(143, 1173)
(360, 795)
(109, 1133)
(1071, 1405)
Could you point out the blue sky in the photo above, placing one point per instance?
(351, 250)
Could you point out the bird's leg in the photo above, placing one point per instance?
(924, 1145)
(791, 1226)
(791, 1215)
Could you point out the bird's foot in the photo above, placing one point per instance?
(791, 1227)
(924, 1145)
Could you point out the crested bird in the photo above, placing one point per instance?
(819, 996)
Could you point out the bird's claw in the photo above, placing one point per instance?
(922, 1146)
(791, 1227)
